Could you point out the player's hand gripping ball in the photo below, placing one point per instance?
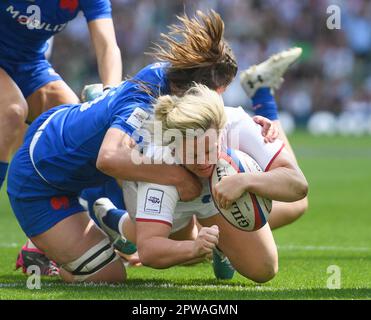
(250, 212)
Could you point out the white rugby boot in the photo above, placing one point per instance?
(269, 72)
(101, 207)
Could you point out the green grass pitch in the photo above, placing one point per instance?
(336, 230)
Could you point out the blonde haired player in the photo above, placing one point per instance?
(183, 55)
(161, 219)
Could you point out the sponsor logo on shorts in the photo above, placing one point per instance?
(153, 201)
(58, 203)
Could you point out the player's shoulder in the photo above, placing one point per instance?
(152, 73)
(93, 10)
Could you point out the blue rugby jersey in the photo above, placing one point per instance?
(23, 41)
(66, 151)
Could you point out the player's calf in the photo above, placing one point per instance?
(83, 251)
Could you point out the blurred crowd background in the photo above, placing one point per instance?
(333, 74)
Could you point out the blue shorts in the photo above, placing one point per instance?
(37, 205)
(30, 76)
(39, 215)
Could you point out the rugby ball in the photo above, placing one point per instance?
(250, 212)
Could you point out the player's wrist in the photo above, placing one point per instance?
(244, 180)
(197, 250)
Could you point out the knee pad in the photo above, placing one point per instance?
(92, 261)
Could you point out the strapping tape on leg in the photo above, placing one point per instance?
(92, 261)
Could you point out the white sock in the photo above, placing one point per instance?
(121, 224)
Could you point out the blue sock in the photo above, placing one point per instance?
(264, 104)
(112, 218)
(3, 170)
(109, 190)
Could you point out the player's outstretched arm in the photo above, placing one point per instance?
(116, 156)
(283, 182)
(108, 54)
(157, 251)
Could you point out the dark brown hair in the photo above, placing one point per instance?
(197, 52)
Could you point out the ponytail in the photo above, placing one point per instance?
(197, 51)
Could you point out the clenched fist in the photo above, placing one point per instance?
(206, 240)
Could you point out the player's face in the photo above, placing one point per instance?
(200, 154)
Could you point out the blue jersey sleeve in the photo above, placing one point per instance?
(132, 105)
(96, 9)
(132, 118)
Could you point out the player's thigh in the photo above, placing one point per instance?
(253, 254)
(11, 97)
(71, 238)
(52, 94)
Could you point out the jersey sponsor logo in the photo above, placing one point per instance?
(153, 201)
(33, 22)
(70, 5)
(137, 118)
(58, 203)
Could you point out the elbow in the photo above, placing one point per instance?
(114, 53)
(145, 256)
(110, 50)
(105, 162)
(149, 259)
(117, 51)
(302, 189)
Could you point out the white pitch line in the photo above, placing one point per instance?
(10, 245)
(290, 247)
(321, 248)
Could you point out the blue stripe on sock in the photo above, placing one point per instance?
(112, 218)
(264, 104)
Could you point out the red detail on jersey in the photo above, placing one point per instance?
(58, 203)
(70, 5)
(22, 19)
(153, 220)
(275, 156)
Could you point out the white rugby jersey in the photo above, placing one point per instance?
(158, 203)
